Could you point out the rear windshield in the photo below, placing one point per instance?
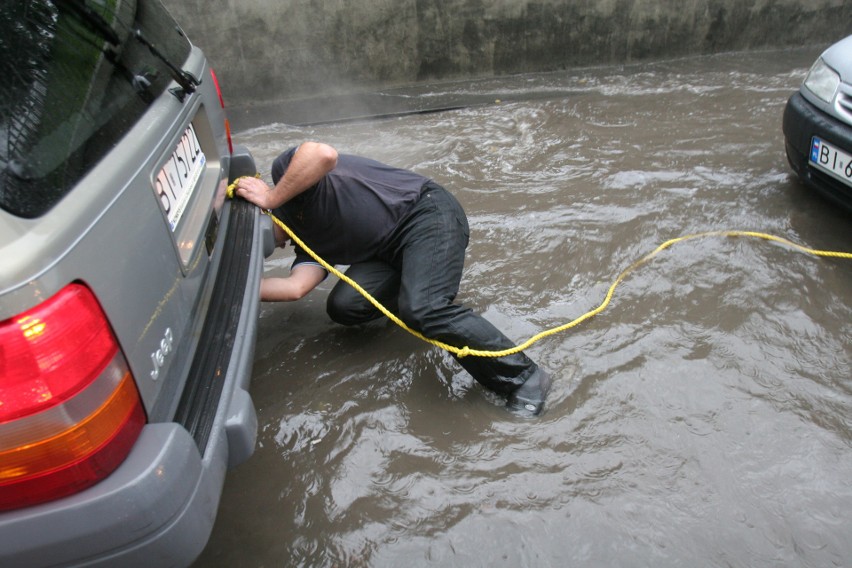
(76, 76)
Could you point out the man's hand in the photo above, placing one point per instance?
(256, 191)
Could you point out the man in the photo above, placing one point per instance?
(404, 237)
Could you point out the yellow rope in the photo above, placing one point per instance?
(467, 351)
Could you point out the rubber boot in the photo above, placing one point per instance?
(530, 396)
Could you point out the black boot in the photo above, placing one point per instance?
(529, 397)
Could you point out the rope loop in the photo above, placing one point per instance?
(232, 188)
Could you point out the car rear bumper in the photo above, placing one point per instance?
(164, 471)
(802, 121)
(159, 506)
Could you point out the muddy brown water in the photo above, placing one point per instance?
(703, 419)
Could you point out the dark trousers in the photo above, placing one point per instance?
(417, 275)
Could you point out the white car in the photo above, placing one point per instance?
(818, 125)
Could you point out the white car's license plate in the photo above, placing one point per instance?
(831, 160)
(179, 176)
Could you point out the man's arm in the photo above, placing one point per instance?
(302, 279)
(311, 162)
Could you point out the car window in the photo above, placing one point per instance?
(77, 75)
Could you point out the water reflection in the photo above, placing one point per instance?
(702, 419)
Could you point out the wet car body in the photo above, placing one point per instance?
(817, 125)
(113, 217)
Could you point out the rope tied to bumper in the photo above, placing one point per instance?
(467, 351)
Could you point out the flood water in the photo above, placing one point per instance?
(703, 419)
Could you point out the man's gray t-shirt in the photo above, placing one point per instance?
(349, 214)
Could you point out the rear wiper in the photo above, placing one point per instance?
(187, 81)
(96, 23)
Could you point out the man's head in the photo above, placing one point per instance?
(281, 237)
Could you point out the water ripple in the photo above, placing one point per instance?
(704, 415)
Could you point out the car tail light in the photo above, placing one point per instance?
(222, 102)
(69, 408)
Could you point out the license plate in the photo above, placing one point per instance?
(177, 180)
(831, 160)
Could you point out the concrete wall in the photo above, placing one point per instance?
(274, 50)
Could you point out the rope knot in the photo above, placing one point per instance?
(232, 189)
(464, 352)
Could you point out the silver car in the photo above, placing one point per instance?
(818, 125)
(128, 290)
